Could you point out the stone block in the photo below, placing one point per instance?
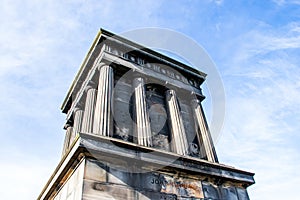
(210, 191)
(150, 195)
(242, 194)
(98, 191)
(95, 170)
(228, 193)
(119, 176)
(148, 181)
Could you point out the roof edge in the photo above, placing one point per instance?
(140, 47)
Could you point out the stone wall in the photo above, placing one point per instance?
(109, 181)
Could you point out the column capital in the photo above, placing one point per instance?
(195, 102)
(169, 94)
(90, 85)
(66, 126)
(100, 65)
(77, 108)
(138, 80)
(171, 91)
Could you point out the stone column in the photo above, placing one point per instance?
(141, 117)
(179, 141)
(103, 111)
(203, 131)
(66, 147)
(89, 109)
(78, 115)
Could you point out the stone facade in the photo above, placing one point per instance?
(135, 129)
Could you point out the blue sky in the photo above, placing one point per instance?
(254, 44)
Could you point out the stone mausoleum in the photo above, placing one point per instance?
(135, 129)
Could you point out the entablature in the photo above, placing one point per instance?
(142, 57)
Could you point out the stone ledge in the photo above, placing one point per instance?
(155, 158)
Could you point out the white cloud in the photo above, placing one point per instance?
(219, 2)
(257, 43)
(283, 2)
(263, 109)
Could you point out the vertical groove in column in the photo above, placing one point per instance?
(142, 122)
(67, 139)
(103, 116)
(88, 116)
(78, 115)
(179, 141)
(204, 133)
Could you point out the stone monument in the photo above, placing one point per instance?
(135, 129)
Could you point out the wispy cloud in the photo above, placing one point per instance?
(283, 2)
(263, 107)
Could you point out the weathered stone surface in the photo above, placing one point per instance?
(189, 126)
(210, 191)
(159, 183)
(182, 187)
(228, 193)
(149, 181)
(149, 195)
(72, 188)
(119, 176)
(100, 191)
(95, 170)
(242, 194)
(123, 122)
(161, 141)
(155, 97)
(121, 111)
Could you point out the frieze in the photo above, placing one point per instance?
(160, 68)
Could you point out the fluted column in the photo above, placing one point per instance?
(66, 147)
(103, 111)
(179, 141)
(89, 110)
(78, 115)
(141, 116)
(203, 131)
